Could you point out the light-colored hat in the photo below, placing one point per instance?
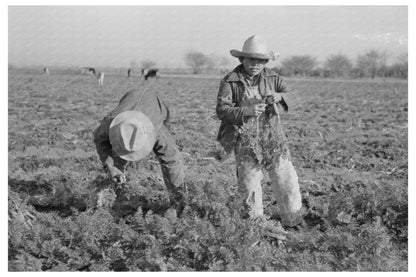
(254, 47)
(132, 135)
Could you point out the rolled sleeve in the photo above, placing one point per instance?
(291, 98)
(280, 85)
(102, 140)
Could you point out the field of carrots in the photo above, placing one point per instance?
(349, 145)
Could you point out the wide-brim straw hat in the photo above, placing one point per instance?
(132, 135)
(254, 47)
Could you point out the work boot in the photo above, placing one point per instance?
(298, 227)
(295, 222)
(178, 199)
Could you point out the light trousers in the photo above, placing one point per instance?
(284, 182)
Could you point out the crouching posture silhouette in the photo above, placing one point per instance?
(137, 126)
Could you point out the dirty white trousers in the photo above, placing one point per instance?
(284, 182)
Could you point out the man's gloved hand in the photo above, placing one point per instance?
(116, 175)
(273, 97)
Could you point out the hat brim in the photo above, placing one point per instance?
(239, 54)
(148, 138)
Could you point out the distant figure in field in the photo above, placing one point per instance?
(100, 78)
(247, 105)
(129, 73)
(149, 73)
(139, 125)
(91, 70)
(88, 70)
(46, 70)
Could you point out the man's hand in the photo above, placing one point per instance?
(273, 97)
(256, 110)
(116, 175)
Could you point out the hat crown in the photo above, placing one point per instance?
(132, 135)
(255, 44)
(254, 47)
(129, 133)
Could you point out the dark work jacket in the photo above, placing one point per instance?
(145, 101)
(229, 109)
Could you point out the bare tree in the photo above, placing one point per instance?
(299, 65)
(196, 60)
(383, 68)
(369, 63)
(147, 64)
(338, 65)
(400, 67)
(403, 62)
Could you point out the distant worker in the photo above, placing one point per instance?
(151, 73)
(138, 125)
(88, 70)
(46, 70)
(100, 78)
(247, 105)
(128, 73)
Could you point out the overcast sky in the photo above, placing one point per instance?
(118, 35)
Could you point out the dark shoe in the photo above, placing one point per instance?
(294, 221)
(298, 227)
(179, 208)
(178, 199)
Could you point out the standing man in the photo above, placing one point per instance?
(138, 125)
(247, 105)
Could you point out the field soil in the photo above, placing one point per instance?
(349, 144)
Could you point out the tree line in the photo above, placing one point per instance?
(371, 64)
